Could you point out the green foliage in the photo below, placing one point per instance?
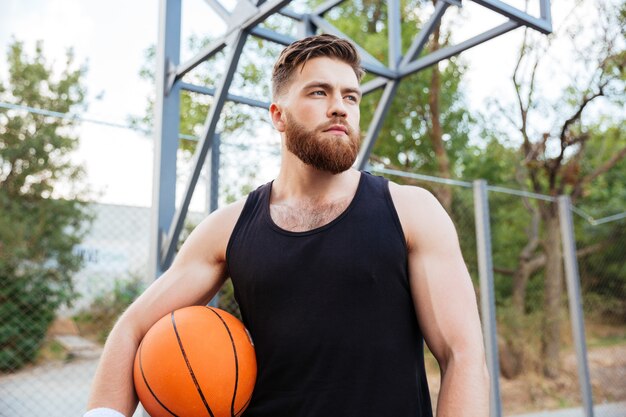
(571, 143)
(226, 300)
(238, 124)
(98, 320)
(404, 140)
(195, 107)
(38, 229)
(603, 272)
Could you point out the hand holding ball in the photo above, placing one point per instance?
(196, 361)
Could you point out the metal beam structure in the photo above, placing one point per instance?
(487, 292)
(166, 117)
(244, 21)
(572, 278)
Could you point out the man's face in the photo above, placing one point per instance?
(320, 115)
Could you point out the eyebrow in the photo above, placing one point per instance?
(327, 86)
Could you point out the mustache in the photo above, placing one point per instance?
(333, 122)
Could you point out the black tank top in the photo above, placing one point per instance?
(330, 311)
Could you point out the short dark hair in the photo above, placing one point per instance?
(299, 52)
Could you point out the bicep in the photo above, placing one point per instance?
(442, 291)
(444, 298)
(197, 273)
(180, 286)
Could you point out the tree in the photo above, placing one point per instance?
(556, 135)
(238, 123)
(38, 228)
(427, 126)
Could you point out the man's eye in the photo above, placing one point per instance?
(352, 98)
(318, 93)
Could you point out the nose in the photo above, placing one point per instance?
(337, 107)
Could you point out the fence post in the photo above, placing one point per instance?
(487, 297)
(575, 302)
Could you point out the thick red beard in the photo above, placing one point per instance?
(329, 154)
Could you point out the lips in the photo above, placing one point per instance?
(337, 128)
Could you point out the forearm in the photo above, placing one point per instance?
(464, 389)
(113, 386)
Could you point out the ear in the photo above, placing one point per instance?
(276, 113)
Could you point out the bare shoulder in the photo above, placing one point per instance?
(210, 238)
(421, 215)
(222, 220)
(415, 203)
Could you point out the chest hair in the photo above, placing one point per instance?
(304, 217)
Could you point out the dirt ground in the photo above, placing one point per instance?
(528, 393)
(532, 392)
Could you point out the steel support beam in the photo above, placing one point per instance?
(204, 54)
(327, 27)
(572, 278)
(270, 35)
(487, 297)
(170, 243)
(422, 37)
(306, 27)
(394, 28)
(326, 6)
(219, 9)
(450, 51)
(263, 12)
(209, 91)
(213, 177)
(544, 12)
(543, 25)
(166, 127)
(254, 17)
(373, 85)
(291, 14)
(244, 21)
(376, 124)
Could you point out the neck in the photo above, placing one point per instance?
(298, 181)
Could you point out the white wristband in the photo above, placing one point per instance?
(103, 412)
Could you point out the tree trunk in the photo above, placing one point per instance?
(525, 269)
(520, 282)
(553, 293)
(444, 193)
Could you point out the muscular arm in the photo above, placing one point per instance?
(195, 276)
(445, 303)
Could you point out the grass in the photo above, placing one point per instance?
(52, 351)
(607, 341)
(605, 335)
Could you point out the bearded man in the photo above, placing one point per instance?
(340, 275)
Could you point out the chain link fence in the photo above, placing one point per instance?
(115, 256)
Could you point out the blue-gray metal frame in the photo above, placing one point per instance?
(572, 278)
(213, 183)
(420, 40)
(377, 123)
(394, 33)
(169, 245)
(166, 117)
(487, 292)
(230, 97)
(243, 21)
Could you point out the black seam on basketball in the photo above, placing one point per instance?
(232, 341)
(145, 380)
(241, 410)
(193, 376)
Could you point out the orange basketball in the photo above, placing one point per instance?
(196, 361)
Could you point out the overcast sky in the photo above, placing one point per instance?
(112, 36)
